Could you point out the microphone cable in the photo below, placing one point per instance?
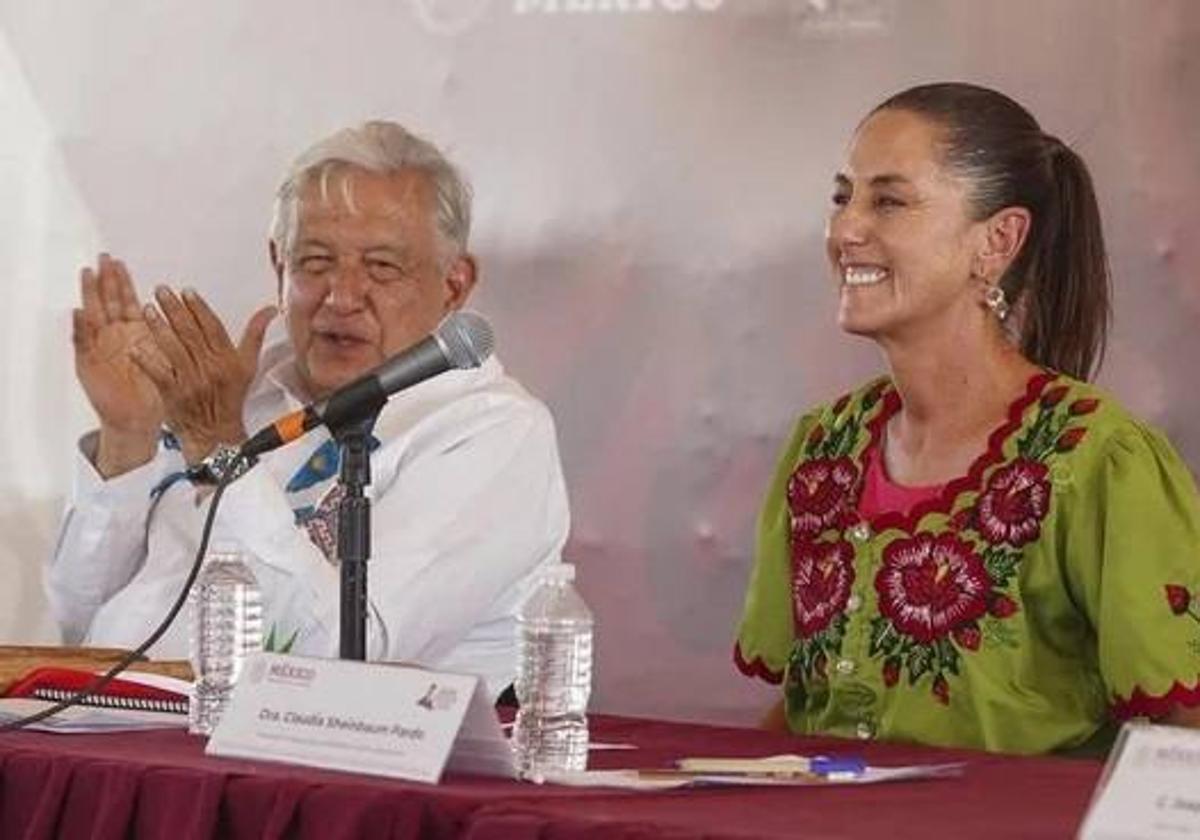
(139, 652)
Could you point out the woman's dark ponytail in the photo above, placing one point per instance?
(1067, 307)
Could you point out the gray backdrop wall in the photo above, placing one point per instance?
(652, 178)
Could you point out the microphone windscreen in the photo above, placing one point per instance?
(467, 339)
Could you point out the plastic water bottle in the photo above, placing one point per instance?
(554, 677)
(226, 627)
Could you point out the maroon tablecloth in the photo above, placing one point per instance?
(161, 785)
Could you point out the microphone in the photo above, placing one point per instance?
(463, 340)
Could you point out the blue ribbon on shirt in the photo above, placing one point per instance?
(320, 466)
(170, 442)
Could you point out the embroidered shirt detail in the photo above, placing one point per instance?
(1014, 504)
(935, 589)
(820, 495)
(1021, 606)
(930, 585)
(1182, 602)
(822, 574)
(315, 503)
(755, 667)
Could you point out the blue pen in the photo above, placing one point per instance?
(836, 767)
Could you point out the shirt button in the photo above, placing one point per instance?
(853, 603)
(845, 667)
(860, 532)
(865, 730)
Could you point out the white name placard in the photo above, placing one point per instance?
(387, 720)
(1151, 787)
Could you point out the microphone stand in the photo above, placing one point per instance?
(354, 535)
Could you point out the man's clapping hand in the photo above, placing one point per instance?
(105, 330)
(201, 376)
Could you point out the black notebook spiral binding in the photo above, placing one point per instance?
(108, 701)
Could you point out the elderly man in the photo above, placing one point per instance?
(368, 246)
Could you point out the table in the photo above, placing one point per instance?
(161, 785)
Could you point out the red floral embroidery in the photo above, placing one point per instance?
(931, 584)
(963, 519)
(968, 636)
(822, 574)
(941, 690)
(891, 671)
(1181, 601)
(1069, 439)
(1054, 396)
(1002, 606)
(1178, 598)
(819, 495)
(1141, 704)
(934, 590)
(1015, 502)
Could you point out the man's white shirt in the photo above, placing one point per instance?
(468, 504)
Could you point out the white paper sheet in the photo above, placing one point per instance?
(667, 779)
(78, 719)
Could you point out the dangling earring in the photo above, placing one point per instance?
(996, 301)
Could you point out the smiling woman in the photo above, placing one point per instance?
(980, 549)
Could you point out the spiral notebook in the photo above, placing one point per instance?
(133, 691)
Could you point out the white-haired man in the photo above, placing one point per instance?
(369, 248)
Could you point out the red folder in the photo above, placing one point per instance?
(51, 683)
